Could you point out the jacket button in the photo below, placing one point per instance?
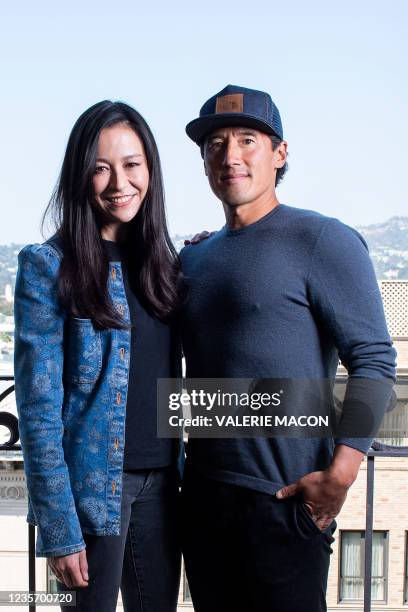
(120, 308)
(113, 487)
(122, 353)
(113, 273)
(116, 443)
(118, 397)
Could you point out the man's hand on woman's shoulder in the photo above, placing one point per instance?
(198, 237)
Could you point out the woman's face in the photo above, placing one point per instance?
(121, 177)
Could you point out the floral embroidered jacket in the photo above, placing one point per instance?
(71, 384)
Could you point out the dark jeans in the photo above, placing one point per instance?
(144, 561)
(246, 551)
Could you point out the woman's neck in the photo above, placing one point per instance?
(114, 233)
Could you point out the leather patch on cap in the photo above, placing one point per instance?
(232, 103)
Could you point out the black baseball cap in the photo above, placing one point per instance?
(235, 106)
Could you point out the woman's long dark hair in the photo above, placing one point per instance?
(84, 270)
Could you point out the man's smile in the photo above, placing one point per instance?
(231, 179)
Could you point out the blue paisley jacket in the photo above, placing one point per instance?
(71, 385)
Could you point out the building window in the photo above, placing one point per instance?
(352, 566)
(51, 581)
(186, 589)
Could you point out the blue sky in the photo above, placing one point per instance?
(337, 73)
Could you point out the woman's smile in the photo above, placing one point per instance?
(120, 200)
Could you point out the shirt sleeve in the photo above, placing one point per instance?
(38, 370)
(346, 299)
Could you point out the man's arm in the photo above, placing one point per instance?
(346, 300)
(345, 297)
(345, 465)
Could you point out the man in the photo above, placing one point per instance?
(279, 293)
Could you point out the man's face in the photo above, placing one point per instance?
(241, 165)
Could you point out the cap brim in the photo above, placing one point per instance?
(199, 128)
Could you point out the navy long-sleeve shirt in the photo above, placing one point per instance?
(284, 297)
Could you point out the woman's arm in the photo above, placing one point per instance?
(38, 370)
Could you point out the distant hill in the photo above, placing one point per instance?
(387, 241)
(388, 244)
(393, 232)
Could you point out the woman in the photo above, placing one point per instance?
(92, 311)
